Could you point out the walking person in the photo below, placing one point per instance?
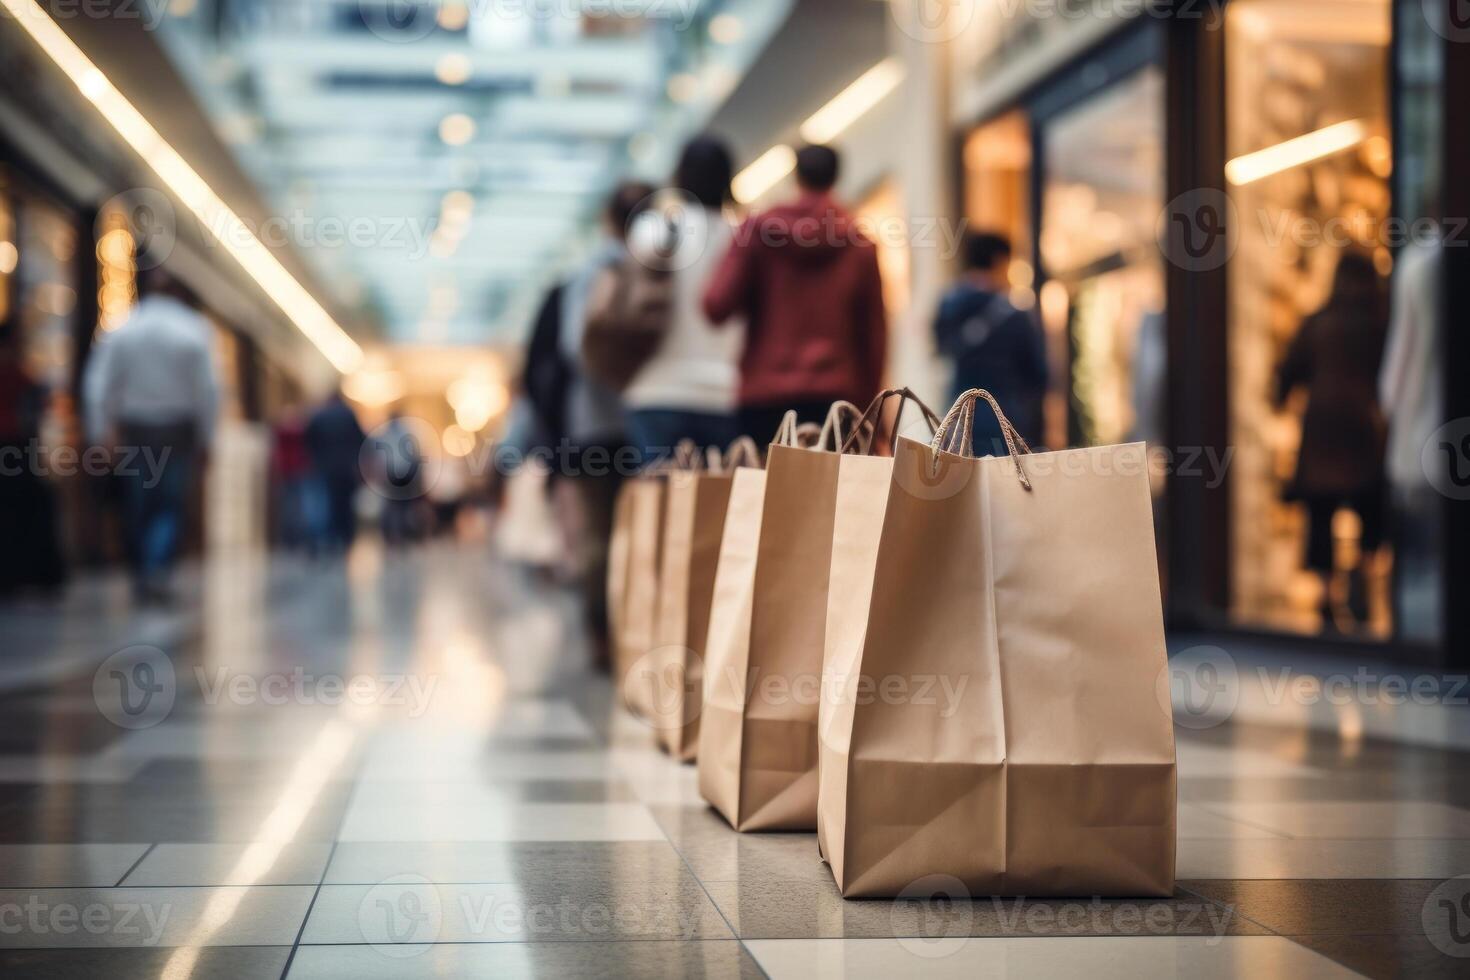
(687, 389)
(805, 280)
(31, 558)
(334, 440)
(594, 424)
(1335, 358)
(155, 394)
(991, 344)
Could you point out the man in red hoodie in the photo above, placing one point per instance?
(805, 280)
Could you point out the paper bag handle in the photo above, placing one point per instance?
(794, 433)
(955, 433)
(742, 452)
(831, 437)
(874, 412)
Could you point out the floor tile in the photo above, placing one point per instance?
(775, 909)
(1326, 907)
(1095, 958)
(211, 963)
(411, 821)
(1198, 823)
(408, 910)
(66, 865)
(716, 959)
(471, 862)
(265, 863)
(76, 917)
(1389, 956)
(1322, 858)
(1357, 820)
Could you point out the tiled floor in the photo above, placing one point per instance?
(398, 767)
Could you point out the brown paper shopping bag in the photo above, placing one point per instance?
(1001, 724)
(695, 501)
(643, 498)
(763, 661)
(862, 491)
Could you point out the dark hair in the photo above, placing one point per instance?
(985, 248)
(159, 282)
(704, 171)
(1356, 286)
(816, 167)
(627, 201)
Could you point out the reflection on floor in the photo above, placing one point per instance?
(399, 768)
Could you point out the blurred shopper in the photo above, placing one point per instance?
(595, 429)
(1335, 357)
(538, 423)
(31, 556)
(805, 279)
(334, 440)
(300, 503)
(402, 461)
(991, 344)
(1411, 391)
(687, 389)
(154, 396)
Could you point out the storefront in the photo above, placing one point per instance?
(1224, 220)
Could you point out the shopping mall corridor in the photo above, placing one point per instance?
(399, 766)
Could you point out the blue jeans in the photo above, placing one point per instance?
(655, 431)
(158, 478)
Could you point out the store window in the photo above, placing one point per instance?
(1103, 300)
(1309, 164)
(998, 192)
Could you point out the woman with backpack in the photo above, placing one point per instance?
(686, 387)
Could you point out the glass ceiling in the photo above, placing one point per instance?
(440, 163)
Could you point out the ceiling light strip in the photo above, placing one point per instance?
(309, 316)
(853, 102)
(1296, 152)
(765, 172)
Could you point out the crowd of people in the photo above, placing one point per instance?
(682, 324)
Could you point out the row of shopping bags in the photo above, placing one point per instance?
(942, 664)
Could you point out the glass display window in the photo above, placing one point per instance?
(1102, 185)
(1308, 145)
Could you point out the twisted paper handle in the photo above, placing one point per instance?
(955, 433)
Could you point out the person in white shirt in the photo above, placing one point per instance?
(687, 389)
(152, 395)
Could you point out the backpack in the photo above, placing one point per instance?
(629, 308)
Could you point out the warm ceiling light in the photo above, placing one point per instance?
(453, 69)
(456, 129)
(309, 316)
(682, 87)
(1296, 152)
(849, 105)
(454, 16)
(765, 172)
(726, 29)
(458, 441)
(9, 258)
(457, 204)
